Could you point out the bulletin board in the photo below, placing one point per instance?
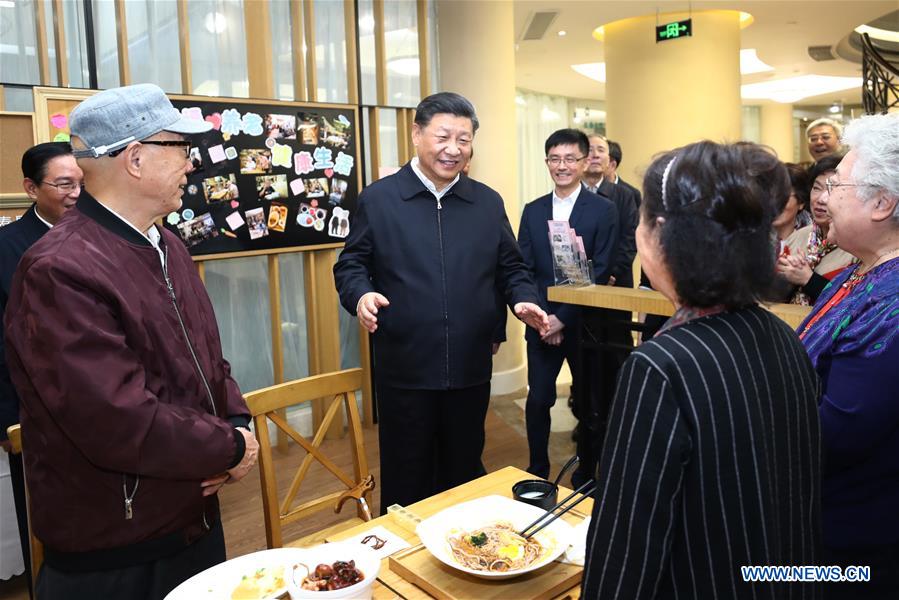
(18, 135)
(270, 176)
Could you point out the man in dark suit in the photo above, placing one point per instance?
(52, 180)
(595, 220)
(428, 250)
(612, 171)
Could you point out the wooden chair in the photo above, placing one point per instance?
(37, 548)
(338, 390)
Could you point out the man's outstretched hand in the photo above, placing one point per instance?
(533, 316)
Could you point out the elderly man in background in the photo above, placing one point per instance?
(52, 180)
(131, 421)
(823, 137)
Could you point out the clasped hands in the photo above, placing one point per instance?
(528, 312)
(237, 472)
(794, 269)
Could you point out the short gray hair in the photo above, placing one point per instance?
(875, 140)
(835, 125)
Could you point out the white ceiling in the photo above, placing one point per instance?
(781, 33)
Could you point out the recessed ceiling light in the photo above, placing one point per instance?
(751, 63)
(793, 89)
(562, 33)
(595, 71)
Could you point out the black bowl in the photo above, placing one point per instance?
(536, 492)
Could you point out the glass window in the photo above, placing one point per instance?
(154, 50)
(433, 48)
(389, 153)
(366, 135)
(218, 48)
(18, 99)
(366, 28)
(18, 60)
(51, 40)
(330, 51)
(282, 60)
(401, 52)
(105, 42)
(76, 45)
(238, 289)
(295, 348)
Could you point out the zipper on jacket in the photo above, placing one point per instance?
(443, 281)
(168, 283)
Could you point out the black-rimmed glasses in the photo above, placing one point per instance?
(66, 187)
(184, 144)
(555, 161)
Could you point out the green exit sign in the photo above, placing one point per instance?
(672, 31)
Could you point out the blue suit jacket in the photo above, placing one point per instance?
(595, 219)
(15, 239)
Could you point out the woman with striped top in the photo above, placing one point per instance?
(712, 455)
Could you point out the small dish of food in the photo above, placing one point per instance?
(338, 570)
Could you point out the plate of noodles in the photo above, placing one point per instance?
(480, 537)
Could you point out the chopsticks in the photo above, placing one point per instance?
(585, 490)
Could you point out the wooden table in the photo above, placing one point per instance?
(391, 585)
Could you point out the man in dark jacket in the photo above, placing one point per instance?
(428, 249)
(52, 180)
(595, 221)
(131, 421)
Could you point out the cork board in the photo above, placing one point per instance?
(17, 133)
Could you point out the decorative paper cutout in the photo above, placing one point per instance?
(193, 113)
(252, 124)
(297, 187)
(302, 163)
(173, 218)
(234, 220)
(322, 158)
(59, 120)
(217, 153)
(231, 122)
(231, 152)
(187, 214)
(281, 155)
(343, 164)
(216, 120)
(62, 137)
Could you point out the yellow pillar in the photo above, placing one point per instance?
(668, 94)
(777, 129)
(483, 70)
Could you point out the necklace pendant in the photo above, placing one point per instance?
(129, 513)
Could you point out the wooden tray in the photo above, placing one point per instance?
(418, 566)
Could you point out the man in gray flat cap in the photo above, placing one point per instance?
(131, 421)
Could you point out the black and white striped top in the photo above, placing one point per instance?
(711, 462)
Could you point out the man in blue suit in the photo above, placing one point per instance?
(595, 219)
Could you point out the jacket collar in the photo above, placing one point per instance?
(91, 208)
(410, 185)
(576, 211)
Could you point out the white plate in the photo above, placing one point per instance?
(218, 582)
(433, 531)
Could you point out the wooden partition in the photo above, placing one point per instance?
(644, 301)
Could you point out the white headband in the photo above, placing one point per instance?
(665, 181)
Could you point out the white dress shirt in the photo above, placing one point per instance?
(428, 183)
(562, 206)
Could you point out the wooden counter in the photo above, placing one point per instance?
(645, 301)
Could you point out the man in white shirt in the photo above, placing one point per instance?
(595, 220)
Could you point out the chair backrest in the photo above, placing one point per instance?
(37, 548)
(336, 390)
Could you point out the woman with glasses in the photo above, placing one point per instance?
(808, 260)
(852, 337)
(711, 459)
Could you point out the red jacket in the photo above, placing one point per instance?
(111, 393)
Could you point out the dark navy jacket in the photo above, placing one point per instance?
(595, 219)
(628, 218)
(439, 268)
(15, 239)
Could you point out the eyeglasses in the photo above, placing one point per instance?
(555, 161)
(66, 187)
(826, 137)
(183, 144)
(829, 183)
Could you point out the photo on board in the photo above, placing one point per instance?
(277, 217)
(338, 191)
(197, 230)
(335, 133)
(316, 187)
(256, 223)
(220, 188)
(255, 160)
(280, 127)
(271, 187)
(309, 126)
